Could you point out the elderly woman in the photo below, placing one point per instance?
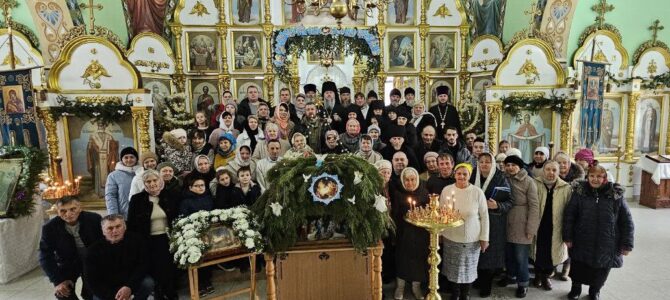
(522, 222)
(388, 256)
(548, 249)
(271, 133)
(411, 241)
(242, 159)
(568, 171)
(299, 147)
(463, 244)
(500, 161)
(598, 229)
(150, 214)
(366, 152)
(496, 190)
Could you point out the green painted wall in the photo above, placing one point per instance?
(111, 17)
(631, 17)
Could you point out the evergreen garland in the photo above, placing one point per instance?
(34, 163)
(651, 83)
(365, 225)
(103, 113)
(514, 105)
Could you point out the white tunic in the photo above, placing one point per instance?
(471, 203)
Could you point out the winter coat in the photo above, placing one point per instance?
(137, 185)
(421, 149)
(411, 241)
(244, 110)
(176, 153)
(576, 172)
(436, 184)
(351, 143)
(460, 154)
(250, 197)
(195, 203)
(494, 257)
(139, 213)
(226, 196)
(562, 193)
(236, 164)
(412, 160)
(599, 224)
(221, 160)
(244, 140)
(524, 217)
(117, 189)
(58, 254)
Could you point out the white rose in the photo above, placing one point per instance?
(249, 243)
(194, 258)
(249, 232)
(216, 212)
(215, 219)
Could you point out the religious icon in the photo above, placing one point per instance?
(301, 12)
(93, 151)
(160, 89)
(527, 131)
(486, 16)
(401, 53)
(204, 94)
(241, 85)
(610, 127)
(648, 125)
(202, 51)
(325, 188)
(401, 12)
(10, 170)
(441, 52)
(592, 88)
(12, 97)
(221, 238)
(247, 51)
(246, 12)
(145, 15)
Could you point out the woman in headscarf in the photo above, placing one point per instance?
(374, 131)
(271, 133)
(282, 118)
(224, 151)
(421, 118)
(242, 159)
(365, 150)
(462, 245)
(388, 256)
(199, 143)
(177, 150)
(150, 215)
(299, 147)
(225, 126)
(299, 103)
(202, 169)
(411, 241)
(598, 229)
(548, 249)
(251, 134)
(496, 190)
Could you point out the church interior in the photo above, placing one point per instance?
(88, 83)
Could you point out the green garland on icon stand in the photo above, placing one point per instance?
(34, 162)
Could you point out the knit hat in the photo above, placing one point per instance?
(129, 150)
(409, 90)
(345, 90)
(396, 92)
(467, 166)
(513, 152)
(167, 164)
(229, 136)
(544, 150)
(443, 89)
(430, 154)
(177, 133)
(377, 104)
(383, 164)
(373, 94)
(309, 88)
(396, 131)
(147, 155)
(585, 154)
(513, 159)
(374, 127)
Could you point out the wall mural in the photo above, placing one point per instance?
(486, 17)
(145, 16)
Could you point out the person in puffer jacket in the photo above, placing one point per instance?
(598, 230)
(117, 188)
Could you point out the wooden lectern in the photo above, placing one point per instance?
(655, 183)
(324, 270)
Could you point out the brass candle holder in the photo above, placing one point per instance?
(435, 219)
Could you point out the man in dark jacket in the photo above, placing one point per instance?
(427, 143)
(249, 105)
(397, 144)
(63, 246)
(445, 166)
(116, 267)
(455, 146)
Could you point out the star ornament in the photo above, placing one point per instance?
(358, 177)
(380, 203)
(352, 200)
(319, 159)
(276, 208)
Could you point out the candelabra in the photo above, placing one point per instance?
(56, 190)
(434, 218)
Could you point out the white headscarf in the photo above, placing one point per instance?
(489, 177)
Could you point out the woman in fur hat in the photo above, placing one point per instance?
(177, 150)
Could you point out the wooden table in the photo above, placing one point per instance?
(655, 182)
(324, 270)
(223, 257)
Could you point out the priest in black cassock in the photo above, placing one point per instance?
(445, 113)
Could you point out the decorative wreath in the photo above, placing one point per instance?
(348, 41)
(34, 163)
(186, 237)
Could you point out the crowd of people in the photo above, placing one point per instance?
(549, 211)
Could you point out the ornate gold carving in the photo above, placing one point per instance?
(527, 94)
(655, 29)
(179, 82)
(630, 130)
(667, 140)
(223, 33)
(566, 121)
(442, 12)
(600, 57)
(529, 70)
(494, 112)
(224, 82)
(601, 9)
(8, 60)
(99, 99)
(51, 129)
(533, 12)
(91, 11)
(102, 32)
(141, 118)
(94, 70)
(199, 9)
(179, 68)
(154, 65)
(485, 51)
(654, 42)
(151, 50)
(483, 64)
(652, 67)
(25, 30)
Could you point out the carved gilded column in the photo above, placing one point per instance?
(269, 80)
(178, 78)
(377, 272)
(494, 111)
(141, 116)
(295, 76)
(52, 141)
(463, 76)
(423, 34)
(630, 129)
(566, 128)
(381, 29)
(222, 27)
(423, 83)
